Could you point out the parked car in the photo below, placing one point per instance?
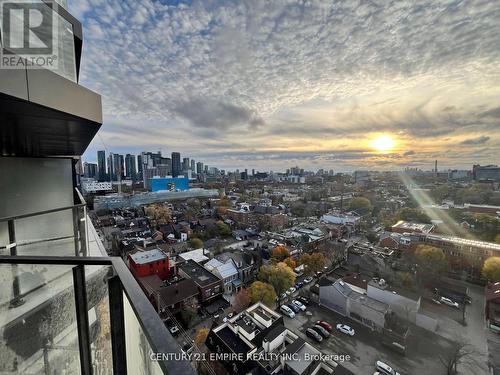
(187, 347)
(299, 305)
(449, 302)
(325, 325)
(292, 290)
(344, 328)
(323, 332)
(299, 285)
(294, 308)
(174, 330)
(287, 311)
(314, 335)
(284, 295)
(308, 279)
(385, 369)
(304, 300)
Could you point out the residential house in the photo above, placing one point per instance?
(208, 284)
(227, 271)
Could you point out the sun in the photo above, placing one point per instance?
(383, 143)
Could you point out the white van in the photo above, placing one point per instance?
(287, 311)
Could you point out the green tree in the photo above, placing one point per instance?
(223, 228)
(196, 243)
(497, 238)
(360, 202)
(313, 263)
(262, 292)
(413, 214)
(491, 269)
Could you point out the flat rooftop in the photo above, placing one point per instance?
(198, 273)
(145, 257)
(413, 227)
(236, 344)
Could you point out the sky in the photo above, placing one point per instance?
(274, 84)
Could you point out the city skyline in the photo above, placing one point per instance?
(247, 84)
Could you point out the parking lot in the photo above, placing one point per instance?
(364, 348)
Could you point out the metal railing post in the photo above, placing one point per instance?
(16, 289)
(76, 230)
(117, 322)
(82, 319)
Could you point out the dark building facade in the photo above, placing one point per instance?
(101, 165)
(176, 164)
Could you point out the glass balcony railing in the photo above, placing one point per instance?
(92, 318)
(60, 231)
(65, 307)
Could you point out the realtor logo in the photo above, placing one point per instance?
(28, 34)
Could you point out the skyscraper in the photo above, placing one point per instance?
(101, 165)
(176, 164)
(193, 166)
(139, 167)
(199, 167)
(130, 167)
(111, 168)
(185, 165)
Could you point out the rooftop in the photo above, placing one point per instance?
(197, 255)
(413, 227)
(198, 273)
(145, 257)
(235, 343)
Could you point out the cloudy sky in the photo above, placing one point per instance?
(272, 84)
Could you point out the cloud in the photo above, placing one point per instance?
(476, 141)
(206, 113)
(291, 75)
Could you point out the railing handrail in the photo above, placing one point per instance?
(38, 213)
(159, 338)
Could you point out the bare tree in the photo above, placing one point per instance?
(462, 353)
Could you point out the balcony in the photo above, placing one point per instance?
(65, 306)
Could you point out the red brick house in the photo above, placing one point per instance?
(151, 262)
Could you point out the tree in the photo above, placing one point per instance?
(413, 214)
(405, 278)
(431, 261)
(280, 276)
(280, 253)
(223, 205)
(491, 269)
(360, 202)
(313, 263)
(201, 336)
(158, 214)
(196, 243)
(462, 353)
(497, 238)
(290, 262)
(262, 292)
(241, 301)
(223, 228)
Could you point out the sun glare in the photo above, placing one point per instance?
(383, 143)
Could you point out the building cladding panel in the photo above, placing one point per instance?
(169, 183)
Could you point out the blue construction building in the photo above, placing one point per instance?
(169, 183)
